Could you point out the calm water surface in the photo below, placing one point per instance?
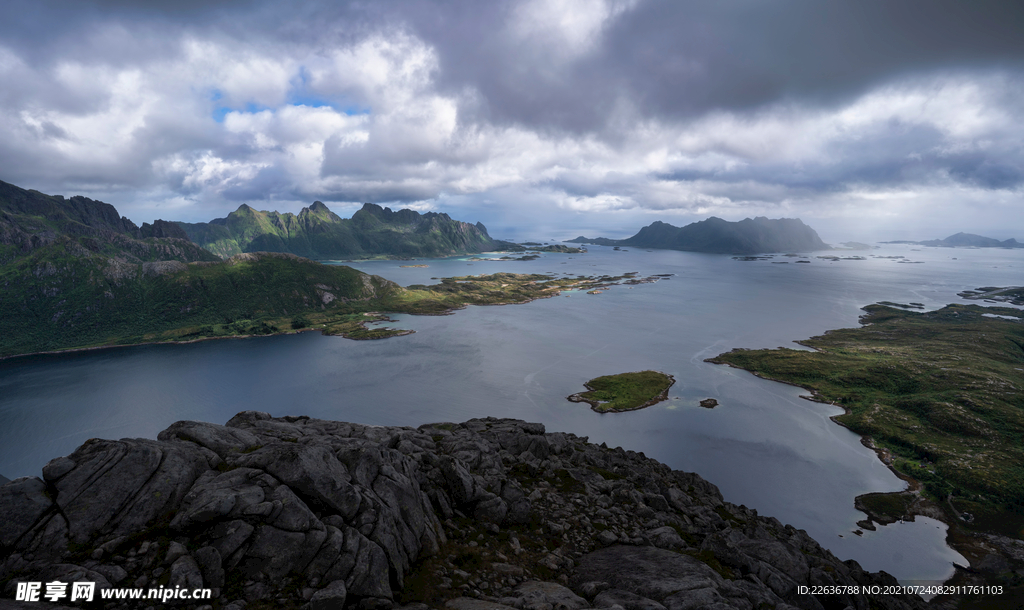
(763, 446)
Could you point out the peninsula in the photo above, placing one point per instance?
(717, 236)
(937, 394)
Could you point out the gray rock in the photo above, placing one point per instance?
(700, 598)
(23, 502)
(217, 496)
(366, 565)
(625, 599)
(222, 440)
(468, 603)
(491, 510)
(331, 597)
(227, 537)
(311, 471)
(210, 565)
(175, 550)
(534, 592)
(134, 480)
(458, 481)
(113, 573)
(646, 571)
(185, 573)
(666, 538)
(505, 569)
(57, 467)
(276, 553)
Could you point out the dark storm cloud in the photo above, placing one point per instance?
(679, 58)
(668, 57)
(986, 172)
(668, 105)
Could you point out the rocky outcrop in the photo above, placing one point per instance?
(485, 515)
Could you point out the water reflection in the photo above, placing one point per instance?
(763, 446)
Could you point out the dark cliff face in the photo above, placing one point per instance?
(717, 236)
(162, 228)
(318, 233)
(31, 221)
(295, 512)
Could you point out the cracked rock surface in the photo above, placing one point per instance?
(489, 514)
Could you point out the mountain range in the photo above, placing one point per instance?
(714, 235)
(964, 240)
(75, 273)
(318, 233)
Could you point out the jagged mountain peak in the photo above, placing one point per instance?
(319, 233)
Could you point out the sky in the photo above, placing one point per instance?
(867, 119)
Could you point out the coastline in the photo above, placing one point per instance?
(555, 291)
(968, 544)
(90, 348)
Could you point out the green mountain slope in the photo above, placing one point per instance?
(316, 232)
(714, 235)
(87, 300)
(74, 273)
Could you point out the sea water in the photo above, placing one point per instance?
(763, 446)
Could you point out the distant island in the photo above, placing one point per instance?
(625, 391)
(717, 236)
(318, 233)
(963, 240)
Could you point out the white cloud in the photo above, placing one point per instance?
(213, 120)
(563, 30)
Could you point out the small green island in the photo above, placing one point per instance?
(625, 391)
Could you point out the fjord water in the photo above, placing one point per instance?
(763, 446)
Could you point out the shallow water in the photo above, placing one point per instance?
(763, 446)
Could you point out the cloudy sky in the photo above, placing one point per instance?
(867, 119)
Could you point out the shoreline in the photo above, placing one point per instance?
(400, 333)
(967, 543)
(72, 350)
(91, 348)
